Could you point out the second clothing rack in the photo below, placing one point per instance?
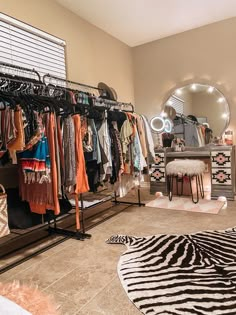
(27, 87)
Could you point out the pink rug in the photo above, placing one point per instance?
(186, 204)
(29, 298)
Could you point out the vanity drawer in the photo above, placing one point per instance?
(221, 159)
(159, 159)
(221, 176)
(157, 174)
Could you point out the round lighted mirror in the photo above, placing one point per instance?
(168, 125)
(203, 103)
(157, 124)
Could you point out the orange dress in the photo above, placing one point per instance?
(82, 185)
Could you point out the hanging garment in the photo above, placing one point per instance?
(139, 160)
(191, 135)
(150, 143)
(118, 116)
(126, 136)
(125, 185)
(58, 163)
(105, 142)
(69, 152)
(117, 157)
(81, 176)
(200, 136)
(141, 133)
(92, 148)
(51, 126)
(36, 163)
(208, 135)
(61, 153)
(18, 143)
(179, 130)
(43, 196)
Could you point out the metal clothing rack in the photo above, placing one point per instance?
(8, 67)
(186, 119)
(78, 234)
(98, 99)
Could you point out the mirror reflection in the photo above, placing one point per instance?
(199, 105)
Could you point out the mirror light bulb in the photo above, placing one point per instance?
(210, 89)
(193, 87)
(170, 102)
(224, 115)
(178, 92)
(220, 100)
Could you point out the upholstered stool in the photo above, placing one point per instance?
(183, 167)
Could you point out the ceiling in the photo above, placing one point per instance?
(136, 22)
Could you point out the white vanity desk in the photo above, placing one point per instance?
(220, 166)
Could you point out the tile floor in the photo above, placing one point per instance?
(82, 276)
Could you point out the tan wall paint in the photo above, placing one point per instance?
(205, 55)
(187, 98)
(92, 55)
(206, 105)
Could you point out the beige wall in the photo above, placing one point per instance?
(206, 105)
(92, 55)
(187, 98)
(206, 55)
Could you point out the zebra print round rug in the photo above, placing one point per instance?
(180, 274)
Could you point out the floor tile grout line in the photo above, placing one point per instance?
(23, 270)
(96, 294)
(20, 271)
(66, 274)
(44, 289)
(72, 270)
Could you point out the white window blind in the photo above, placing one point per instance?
(177, 103)
(26, 46)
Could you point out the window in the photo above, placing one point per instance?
(26, 46)
(176, 103)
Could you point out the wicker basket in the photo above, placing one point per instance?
(4, 228)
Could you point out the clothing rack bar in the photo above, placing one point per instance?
(187, 119)
(115, 103)
(139, 203)
(78, 235)
(8, 65)
(71, 234)
(22, 80)
(102, 100)
(68, 81)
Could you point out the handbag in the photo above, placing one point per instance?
(4, 228)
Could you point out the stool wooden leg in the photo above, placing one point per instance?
(190, 183)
